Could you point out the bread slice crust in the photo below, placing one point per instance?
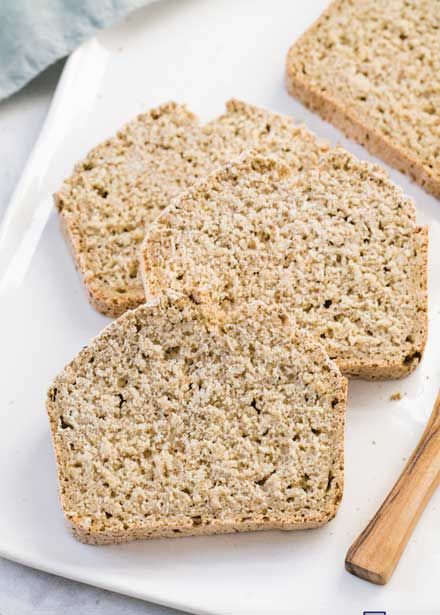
(343, 113)
(97, 442)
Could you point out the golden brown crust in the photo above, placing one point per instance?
(102, 538)
(342, 115)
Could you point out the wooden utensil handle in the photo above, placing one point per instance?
(376, 552)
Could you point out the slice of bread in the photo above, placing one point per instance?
(337, 246)
(122, 185)
(174, 423)
(372, 68)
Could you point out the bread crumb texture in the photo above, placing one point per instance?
(396, 396)
(124, 183)
(372, 67)
(175, 422)
(337, 246)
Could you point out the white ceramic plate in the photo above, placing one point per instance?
(202, 53)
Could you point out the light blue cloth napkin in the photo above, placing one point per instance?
(36, 33)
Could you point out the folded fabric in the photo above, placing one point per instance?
(36, 33)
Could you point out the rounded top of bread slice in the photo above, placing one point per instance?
(336, 245)
(175, 422)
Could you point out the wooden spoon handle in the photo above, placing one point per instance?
(376, 552)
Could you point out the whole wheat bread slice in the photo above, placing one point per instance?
(122, 185)
(174, 422)
(337, 246)
(372, 68)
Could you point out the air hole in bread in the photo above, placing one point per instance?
(415, 356)
(196, 520)
(65, 424)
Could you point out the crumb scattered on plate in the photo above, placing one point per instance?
(396, 396)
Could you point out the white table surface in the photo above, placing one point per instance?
(24, 591)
